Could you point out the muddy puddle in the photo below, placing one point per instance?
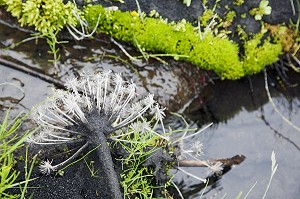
(244, 120)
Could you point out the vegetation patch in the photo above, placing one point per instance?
(209, 52)
(45, 16)
(205, 49)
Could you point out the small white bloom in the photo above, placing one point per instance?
(135, 108)
(58, 94)
(158, 112)
(135, 127)
(40, 137)
(117, 79)
(71, 105)
(46, 167)
(145, 126)
(197, 148)
(216, 168)
(149, 101)
(72, 84)
(30, 140)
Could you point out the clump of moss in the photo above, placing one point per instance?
(238, 2)
(211, 53)
(258, 54)
(46, 16)
(229, 18)
(206, 16)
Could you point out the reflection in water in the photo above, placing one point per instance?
(223, 100)
(277, 132)
(10, 94)
(246, 123)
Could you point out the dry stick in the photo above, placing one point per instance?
(203, 163)
(32, 72)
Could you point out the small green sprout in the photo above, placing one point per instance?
(187, 2)
(238, 2)
(263, 9)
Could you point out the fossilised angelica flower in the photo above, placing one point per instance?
(216, 167)
(89, 111)
(197, 148)
(92, 104)
(46, 167)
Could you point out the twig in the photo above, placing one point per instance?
(191, 175)
(293, 7)
(200, 163)
(29, 71)
(123, 49)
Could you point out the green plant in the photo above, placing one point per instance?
(138, 178)
(263, 9)
(91, 168)
(48, 18)
(210, 49)
(260, 53)
(229, 17)
(238, 2)
(187, 2)
(52, 42)
(208, 52)
(45, 16)
(10, 142)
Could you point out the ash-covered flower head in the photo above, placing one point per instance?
(99, 102)
(197, 148)
(215, 167)
(46, 167)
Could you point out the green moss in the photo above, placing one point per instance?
(258, 55)
(206, 16)
(229, 17)
(244, 15)
(46, 16)
(211, 53)
(155, 35)
(238, 2)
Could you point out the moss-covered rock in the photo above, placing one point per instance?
(206, 51)
(202, 48)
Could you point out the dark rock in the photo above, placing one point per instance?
(175, 10)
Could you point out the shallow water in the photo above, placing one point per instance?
(244, 121)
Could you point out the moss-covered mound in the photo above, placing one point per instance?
(204, 50)
(182, 40)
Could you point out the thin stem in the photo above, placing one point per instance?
(72, 157)
(123, 49)
(178, 190)
(274, 106)
(191, 175)
(250, 190)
